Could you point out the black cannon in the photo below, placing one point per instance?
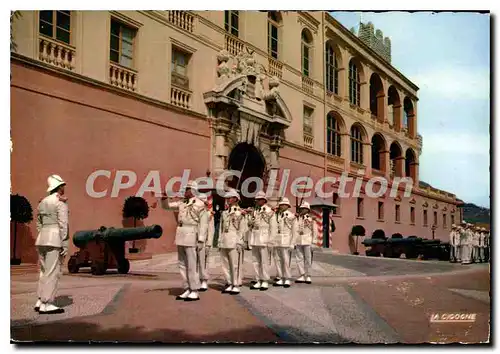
(104, 248)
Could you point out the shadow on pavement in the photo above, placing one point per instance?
(85, 332)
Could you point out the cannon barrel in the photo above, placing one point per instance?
(81, 238)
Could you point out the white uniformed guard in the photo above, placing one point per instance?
(261, 224)
(51, 243)
(305, 239)
(191, 234)
(457, 242)
(231, 242)
(481, 244)
(453, 245)
(204, 252)
(465, 241)
(475, 253)
(284, 241)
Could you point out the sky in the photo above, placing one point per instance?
(447, 55)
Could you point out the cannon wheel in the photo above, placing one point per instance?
(124, 266)
(98, 268)
(73, 266)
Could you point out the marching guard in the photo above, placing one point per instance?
(204, 252)
(454, 241)
(190, 236)
(284, 241)
(475, 257)
(232, 243)
(51, 243)
(465, 242)
(305, 240)
(261, 224)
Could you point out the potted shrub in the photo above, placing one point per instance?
(20, 212)
(356, 231)
(138, 209)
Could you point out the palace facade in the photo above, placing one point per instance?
(170, 90)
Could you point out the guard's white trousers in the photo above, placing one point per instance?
(466, 254)
(188, 267)
(259, 260)
(230, 264)
(283, 262)
(303, 255)
(202, 269)
(50, 261)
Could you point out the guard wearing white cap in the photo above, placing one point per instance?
(284, 241)
(453, 248)
(481, 244)
(204, 252)
(232, 243)
(262, 224)
(305, 240)
(465, 242)
(51, 243)
(191, 234)
(475, 253)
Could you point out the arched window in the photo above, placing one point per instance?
(332, 74)
(333, 136)
(356, 144)
(231, 22)
(306, 39)
(273, 22)
(354, 84)
(378, 147)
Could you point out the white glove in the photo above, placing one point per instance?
(64, 252)
(291, 247)
(200, 245)
(239, 247)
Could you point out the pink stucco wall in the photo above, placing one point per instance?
(66, 128)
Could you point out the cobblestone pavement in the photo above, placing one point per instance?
(353, 299)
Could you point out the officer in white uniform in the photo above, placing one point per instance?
(476, 234)
(453, 248)
(51, 243)
(232, 243)
(191, 234)
(204, 252)
(481, 245)
(458, 243)
(305, 240)
(284, 241)
(262, 224)
(465, 242)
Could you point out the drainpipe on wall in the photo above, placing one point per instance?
(324, 88)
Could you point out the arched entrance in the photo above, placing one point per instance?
(248, 159)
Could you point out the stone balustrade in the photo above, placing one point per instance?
(181, 19)
(275, 68)
(308, 141)
(233, 45)
(56, 53)
(307, 85)
(122, 77)
(180, 98)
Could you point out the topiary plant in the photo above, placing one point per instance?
(378, 234)
(137, 208)
(20, 212)
(358, 230)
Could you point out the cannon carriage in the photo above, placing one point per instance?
(104, 248)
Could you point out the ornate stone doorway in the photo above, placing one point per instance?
(247, 159)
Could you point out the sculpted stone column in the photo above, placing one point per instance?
(275, 145)
(221, 128)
